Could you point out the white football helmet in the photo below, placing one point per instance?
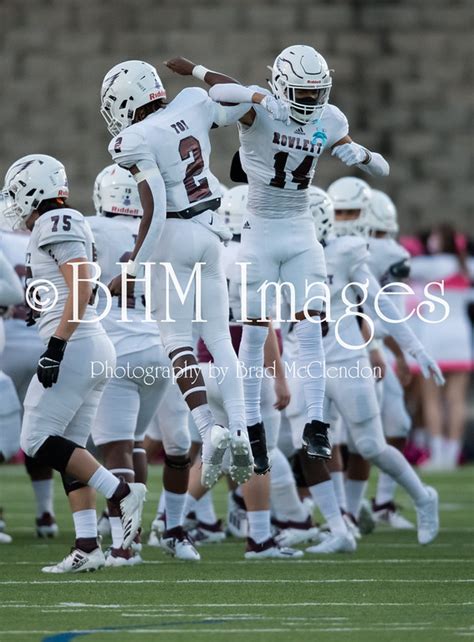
(322, 210)
(96, 195)
(382, 214)
(350, 193)
(118, 192)
(29, 181)
(301, 67)
(235, 207)
(126, 87)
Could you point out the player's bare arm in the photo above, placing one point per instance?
(272, 359)
(351, 153)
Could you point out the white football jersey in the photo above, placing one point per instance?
(54, 234)
(343, 255)
(114, 241)
(388, 260)
(14, 246)
(176, 138)
(280, 159)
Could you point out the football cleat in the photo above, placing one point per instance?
(177, 544)
(207, 533)
(131, 508)
(237, 517)
(241, 459)
(121, 557)
(389, 514)
(78, 562)
(258, 443)
(316, 441)
(211, 470)
(352, 524)
(46, 526)
(270, 549)
(4, 538)
(103, 524)
(428, 517)
(366, 518)
(298, 533)
(334, 544)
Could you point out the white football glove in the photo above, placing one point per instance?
(350, 153)
(429, 368)
(277, 109)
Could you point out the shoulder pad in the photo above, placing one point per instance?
(335, 122)
(192, 94)
(57, 226)
(129, 147)
(400, 270)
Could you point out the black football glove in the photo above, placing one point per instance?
(49, 362)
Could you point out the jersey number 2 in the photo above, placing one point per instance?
(300, 174)
(196, 189)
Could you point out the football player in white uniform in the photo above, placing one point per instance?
(11, 293)
(23, 348)
(354, 396)
(166, 147)
(281, 140)
(389, 262)
(132, 396)
(63, 396)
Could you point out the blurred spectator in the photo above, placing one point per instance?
(450, 342)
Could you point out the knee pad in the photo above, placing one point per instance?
(369, 439)
(70, 483)
(56, 453)
(177, 462)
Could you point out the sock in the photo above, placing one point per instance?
(44, 493)
(190, 504)
(259, 525)
(311, 362)
(386, 487)
(205, 509)
(174, 503)
(286, 503)
(355, 491)
(251, 357)
(160, 509)
(116, 531)
(238, 492)
(325, 499)
(85, 523)
(452, 452)
(392, 462)
(436, 448)
(104, 482)
(203, 419)
(231, 385)
(339, 488)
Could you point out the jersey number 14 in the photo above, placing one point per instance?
(300, 174)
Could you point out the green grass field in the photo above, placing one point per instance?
(391, 589)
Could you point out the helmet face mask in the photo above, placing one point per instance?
(301, 69)
(125, 88)
(350, 195)
(322, 211)
(29, 181)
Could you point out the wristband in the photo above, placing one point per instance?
(132, 268)
(199, 72)
(369, 157)
(375, 344)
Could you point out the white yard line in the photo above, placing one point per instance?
(238, 581)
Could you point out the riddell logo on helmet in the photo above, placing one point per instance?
(156, 94)
(313, 82)
(125, 210)
(63, 192)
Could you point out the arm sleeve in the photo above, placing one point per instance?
(66, 251)
(229, 93)
(339, 128)
(11, 289)
(150, 171)
(377, 166)
(400, 331)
